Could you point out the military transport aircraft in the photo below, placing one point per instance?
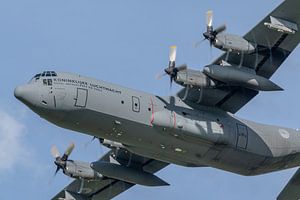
(194, 128)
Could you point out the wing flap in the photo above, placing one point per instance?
(112, 190)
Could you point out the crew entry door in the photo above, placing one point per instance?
(242, 136)
(47, 96)
(81, 97)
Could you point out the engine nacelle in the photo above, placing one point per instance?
(233, 43)
(78, 169)
(194, 78)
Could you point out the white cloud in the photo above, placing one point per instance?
(12, 149)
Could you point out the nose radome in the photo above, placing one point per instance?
(26, 94)
(19, 92)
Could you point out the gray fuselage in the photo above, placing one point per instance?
(162, 128)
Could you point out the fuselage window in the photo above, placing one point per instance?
(135, 104)
(48, 74)
(49, 81)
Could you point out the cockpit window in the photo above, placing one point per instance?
(37, 76)
(49, 73)
(45, 73)
(53, 73)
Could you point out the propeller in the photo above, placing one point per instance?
(172, 70)
(212, 33)
(59, 161)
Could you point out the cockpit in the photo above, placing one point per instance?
(44, 74)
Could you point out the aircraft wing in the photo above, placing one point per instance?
(108, 188)
(291, 190)
(273, 47)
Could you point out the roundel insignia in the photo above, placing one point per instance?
(284, 133)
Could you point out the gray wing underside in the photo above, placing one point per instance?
(95, 190)
(292, 189)
(108, 188)
(273, 49)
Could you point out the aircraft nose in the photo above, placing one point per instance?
(26, 94)
(19, 92)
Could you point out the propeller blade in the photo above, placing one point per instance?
(210, 51)
(159, 76)
(172, 56)
(69, 149)
(57, 169)
(220, 29)
(54, 152)
(197, 44)
(68, 152)
(209, 18)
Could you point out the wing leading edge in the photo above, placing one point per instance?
(273, 48)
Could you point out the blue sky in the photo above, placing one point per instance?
(124, 42)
